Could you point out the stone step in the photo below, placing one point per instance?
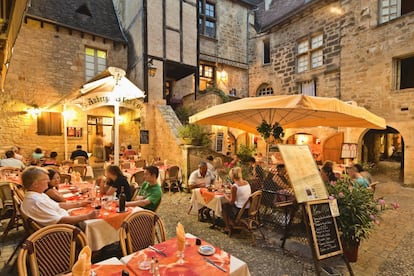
(171, 119)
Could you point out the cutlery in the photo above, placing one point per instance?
(157, 250)
(214, 264)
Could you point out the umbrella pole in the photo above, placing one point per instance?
(116, 138)
(65, 131)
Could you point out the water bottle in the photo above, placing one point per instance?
(122, 200)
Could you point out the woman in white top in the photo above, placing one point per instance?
(240, 193)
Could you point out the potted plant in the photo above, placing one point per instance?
(268, 130)
(358, 211)
(191, 134)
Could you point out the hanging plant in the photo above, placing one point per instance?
(266, 130)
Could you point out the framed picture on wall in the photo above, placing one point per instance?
(74, 132)
(349, 150)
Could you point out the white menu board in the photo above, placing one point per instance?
(303, 173)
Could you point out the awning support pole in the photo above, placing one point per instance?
(116, 125)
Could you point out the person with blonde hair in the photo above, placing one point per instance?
(240, 193)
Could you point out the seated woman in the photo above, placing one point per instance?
(327, 172)
(115, 180)
(52, 160)
(240, 193)
(51, 190)
(37, 156)
(359, 180)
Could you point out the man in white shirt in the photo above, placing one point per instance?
(41, 208)
(11, 161)
(201, 178)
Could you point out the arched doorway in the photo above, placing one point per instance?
(383, 146)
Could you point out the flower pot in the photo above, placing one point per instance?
(186, 141)
(350, 251)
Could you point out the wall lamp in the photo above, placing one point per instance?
(34, 111)
(152, 69)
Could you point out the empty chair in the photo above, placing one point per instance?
(172, 178)
(51, 250)
(250, 219)
(80, 160)
(140, 163)
(125, 165)
(140, 230)
(81, 169)
(8, 211)
(65, 178)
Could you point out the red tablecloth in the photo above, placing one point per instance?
(195, 264)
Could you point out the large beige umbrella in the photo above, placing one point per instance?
(290, 111)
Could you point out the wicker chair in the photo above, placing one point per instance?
(81, 169)
(81, 160)
(125, 165)
(172, 178)
(140, 230)
(51, 250)
(65, 177)
(138, 178)
(140, 163)
(8, 211)
(250, 220)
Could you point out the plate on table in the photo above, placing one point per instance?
(206, 250)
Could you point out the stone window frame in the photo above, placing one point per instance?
(389, 10)
(398, 74)
(98, 67)
(309, 52)
(205, 18)
(266, 42)
(265, 89)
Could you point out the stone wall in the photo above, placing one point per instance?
(281, 73)
(369, 71)
(46, 65)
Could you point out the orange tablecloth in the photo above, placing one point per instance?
(113, 218)
(194, 262)
(109, 270)
(207, 195)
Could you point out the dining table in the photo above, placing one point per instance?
(196, 261)
(202, 197)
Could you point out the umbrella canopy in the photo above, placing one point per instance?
(290, 111)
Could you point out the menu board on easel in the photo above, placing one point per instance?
(324, 229)
(303, 173)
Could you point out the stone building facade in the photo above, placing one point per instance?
(49, 63)
(352, 50)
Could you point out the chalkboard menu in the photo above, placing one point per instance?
(324, 229)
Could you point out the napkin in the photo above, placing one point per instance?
(180, 237)
(83, 265)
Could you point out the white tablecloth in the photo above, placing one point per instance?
(237, 266)
(100, 233)
(197, 202)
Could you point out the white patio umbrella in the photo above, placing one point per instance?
(111, 87)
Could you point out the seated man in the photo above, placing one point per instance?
(201, 178)
(11, 161)
(40, 207)
(359, 180)
(79, 152)
(149, 196)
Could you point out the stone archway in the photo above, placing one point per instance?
(383, 146)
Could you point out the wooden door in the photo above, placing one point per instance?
(332, 148)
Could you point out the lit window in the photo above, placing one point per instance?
(206, 76)
(95, 62)
(264, 90)
(310, 53)
(207, 18)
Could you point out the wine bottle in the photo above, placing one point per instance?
(122, 200)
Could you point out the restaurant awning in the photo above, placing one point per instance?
(109, 88)
(290, 111)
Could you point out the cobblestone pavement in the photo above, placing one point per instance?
(388, 251)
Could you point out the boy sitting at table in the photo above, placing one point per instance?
(41, 208)
(149, 196)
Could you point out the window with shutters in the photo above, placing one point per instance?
(49, 124)
(95, 62)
